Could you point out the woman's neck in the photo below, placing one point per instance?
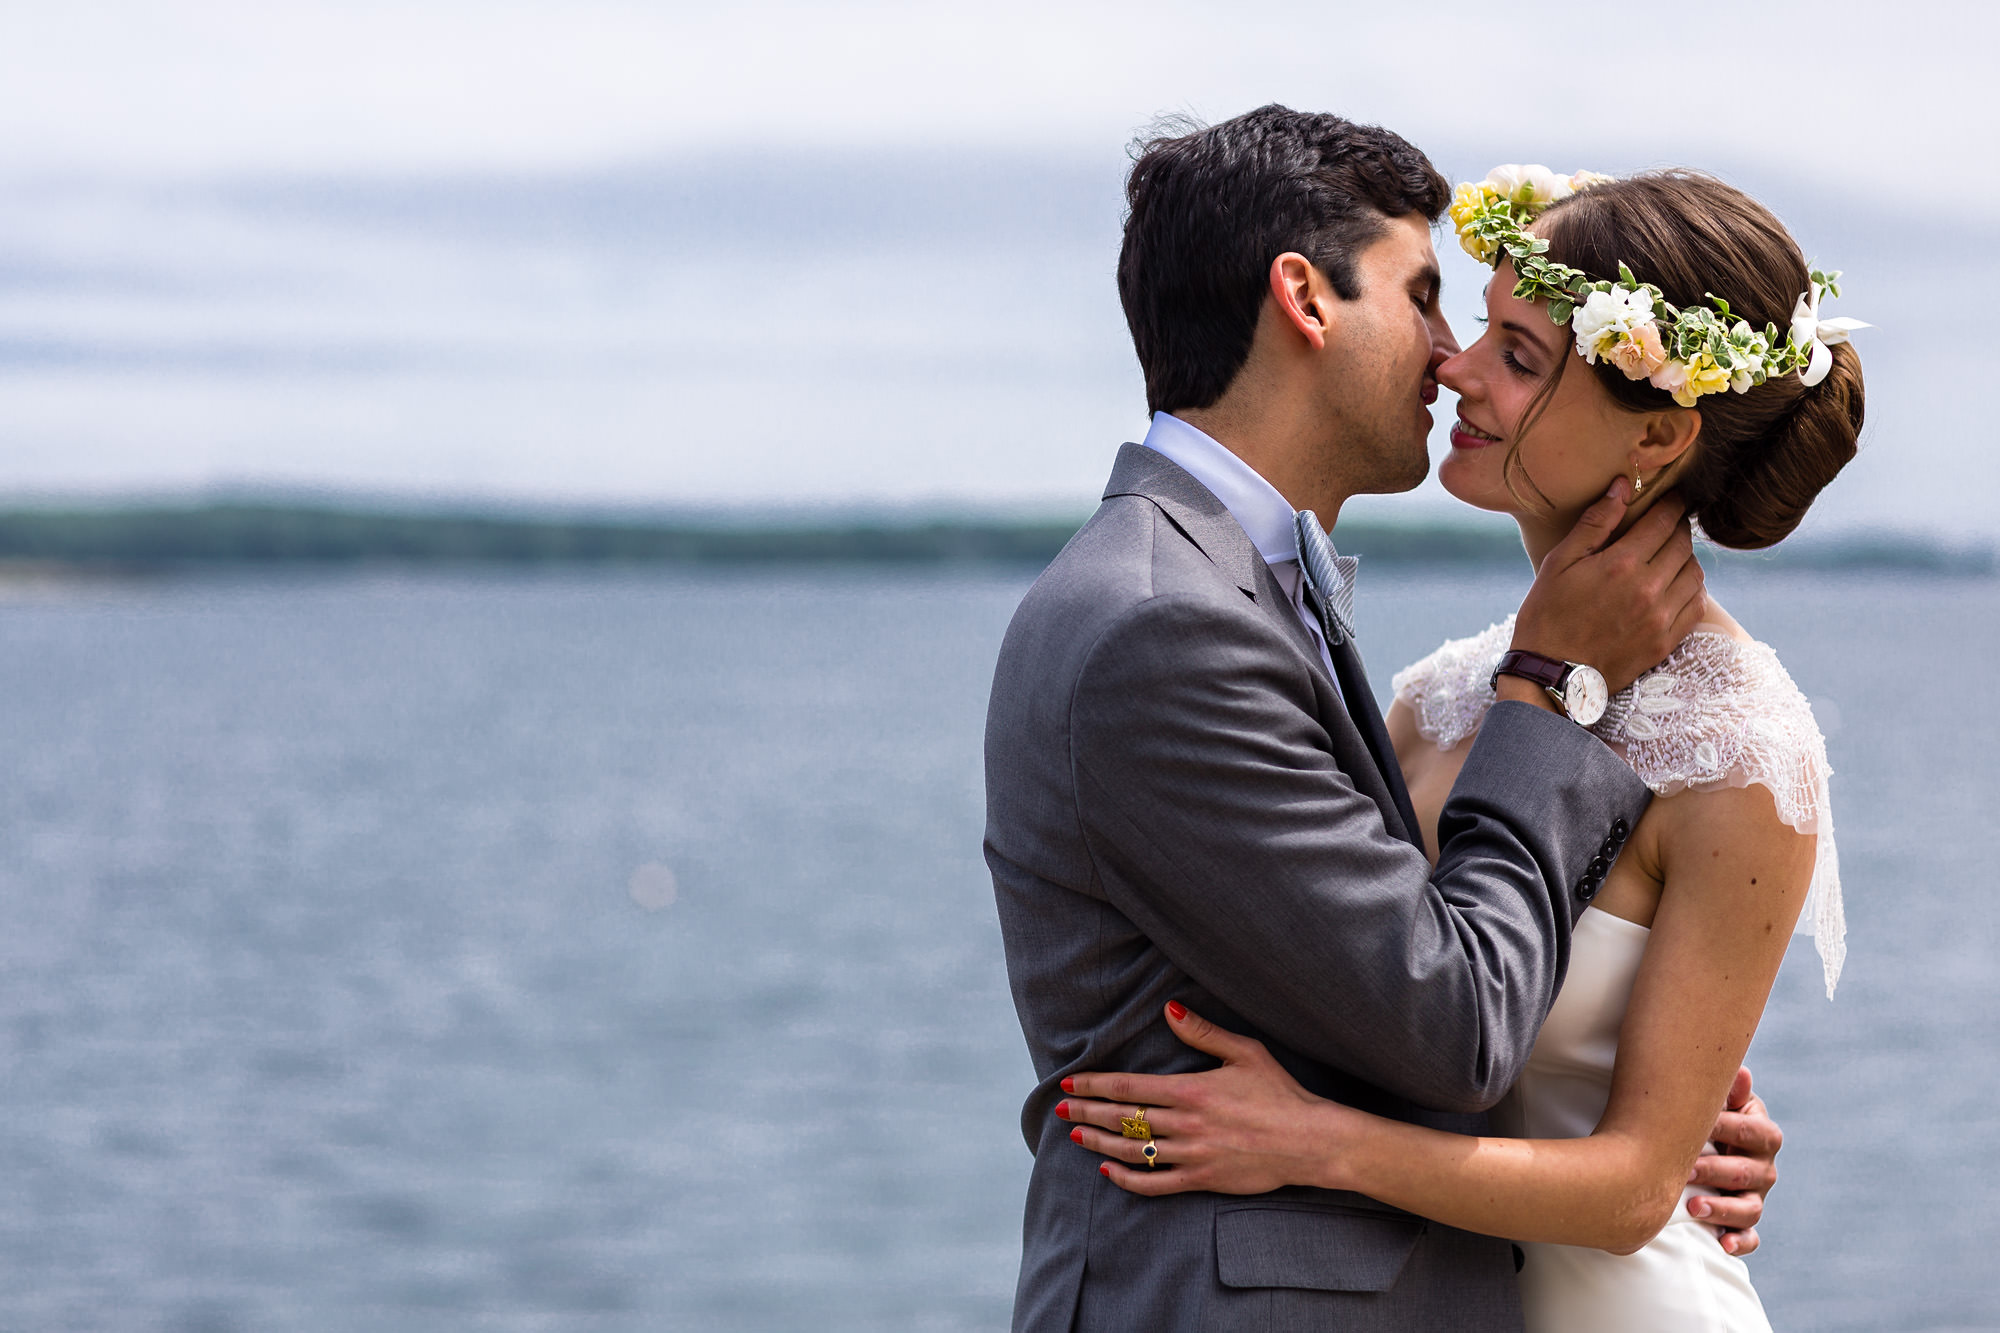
(1541, 533)
(1539, 536)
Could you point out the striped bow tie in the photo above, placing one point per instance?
(1329, 579)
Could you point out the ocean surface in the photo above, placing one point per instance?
(612, 951)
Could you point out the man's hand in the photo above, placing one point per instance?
(1620, 606)
(1745, 1169)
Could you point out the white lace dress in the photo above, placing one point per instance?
(1718, 713)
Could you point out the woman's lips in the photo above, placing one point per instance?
(1467, 436)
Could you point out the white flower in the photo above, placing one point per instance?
(1607, 317)
(1747, 358)
(1809, 330)
(1533, 184)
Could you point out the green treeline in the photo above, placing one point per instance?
(150, 537)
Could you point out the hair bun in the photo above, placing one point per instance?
(1776, 479)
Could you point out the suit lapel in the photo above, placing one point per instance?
(1193, 508)
(1368, 720)
(1206, 522)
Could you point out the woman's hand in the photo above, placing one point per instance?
(1245, 1128)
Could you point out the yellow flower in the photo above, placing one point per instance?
(1467, 203)
(1468, 200)
(1479, 247)
(1706, 375)
(1687, 381)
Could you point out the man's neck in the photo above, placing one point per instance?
(1287, 453)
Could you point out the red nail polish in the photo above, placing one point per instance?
(1076, 1135)
(1069, 1085)
(1104, 1168)
(1176, 1010)
(1062, 1110)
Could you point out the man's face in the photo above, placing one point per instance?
(1382, 361)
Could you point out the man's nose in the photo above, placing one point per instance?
(1444, 345)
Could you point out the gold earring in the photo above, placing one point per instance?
(1638, 483)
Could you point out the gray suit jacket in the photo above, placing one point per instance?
(1179, 807)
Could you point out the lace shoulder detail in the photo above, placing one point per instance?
(1450, 690)
(1717, 713)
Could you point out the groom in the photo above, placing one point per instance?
(1191, 795)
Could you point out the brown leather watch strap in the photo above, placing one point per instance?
(1547, 672)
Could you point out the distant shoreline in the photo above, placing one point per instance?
(49, 543)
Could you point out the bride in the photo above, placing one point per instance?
(1664, 328)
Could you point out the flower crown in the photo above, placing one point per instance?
(1686, 351)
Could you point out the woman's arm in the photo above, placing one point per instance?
(1734, 877)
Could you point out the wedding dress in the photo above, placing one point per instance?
(1720, 712)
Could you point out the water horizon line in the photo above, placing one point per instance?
(165, 534)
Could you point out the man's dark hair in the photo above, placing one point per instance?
(1210, 208)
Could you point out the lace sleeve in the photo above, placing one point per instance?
(1718, 713)
(1450, 690)
(1724, 713)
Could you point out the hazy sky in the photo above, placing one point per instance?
(1899, 93)
(673, 255)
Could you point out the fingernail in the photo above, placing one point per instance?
(1729, 1244)
(1176, 1010)
(1692, 1173)
(1069, 1085)
(1076, 1135)
(1699, 1207)
(1104, 1168)
(1062, 1110)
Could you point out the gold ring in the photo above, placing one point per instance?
(1151, 1152)
(1134, 1126)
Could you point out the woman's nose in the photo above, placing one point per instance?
(1452, 373)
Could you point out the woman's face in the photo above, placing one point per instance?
(1580, 441)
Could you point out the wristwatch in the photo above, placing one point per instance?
(1578, 690)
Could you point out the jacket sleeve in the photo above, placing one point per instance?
(1219, 822)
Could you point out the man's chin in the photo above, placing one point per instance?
(1407, 478)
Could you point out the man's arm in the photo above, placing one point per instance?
(1223, 828)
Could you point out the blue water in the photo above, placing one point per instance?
(613, 951)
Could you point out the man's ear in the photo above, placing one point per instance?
(1304, 300)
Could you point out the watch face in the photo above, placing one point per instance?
(1585, 696)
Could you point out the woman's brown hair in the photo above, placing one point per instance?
(1762, 456)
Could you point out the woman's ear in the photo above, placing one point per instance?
(1302, 296)
(1667, 438)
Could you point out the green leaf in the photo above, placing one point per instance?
(1560, 311)
(1625, 275)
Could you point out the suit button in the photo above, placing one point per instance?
(1585, 889)
(1607, 849)
(1599, 868)
(1619, 828)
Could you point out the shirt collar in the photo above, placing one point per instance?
(1252, 501)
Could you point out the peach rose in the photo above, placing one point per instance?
(1640, 353)
(1673, 378)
